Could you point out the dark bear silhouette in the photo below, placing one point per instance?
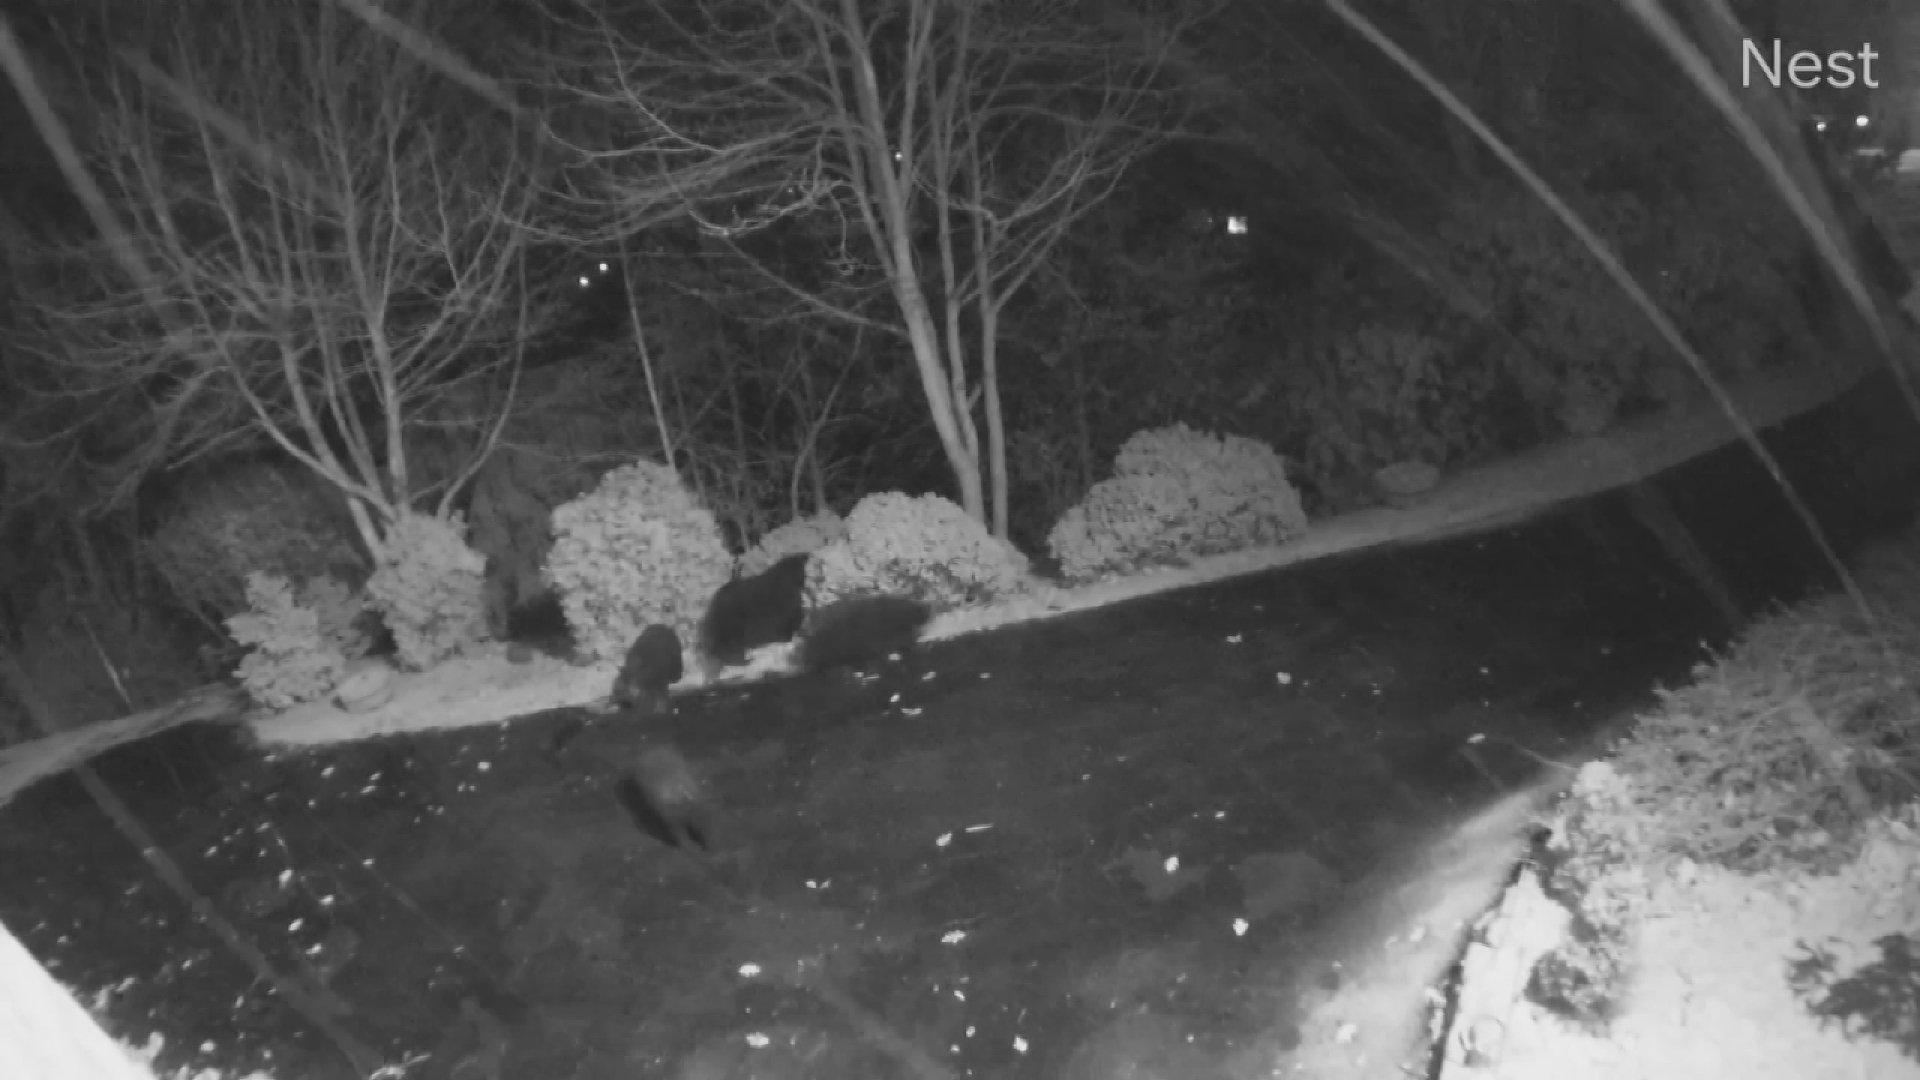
(747, 613)
(860, 630)
(664, 798)
(652, 665)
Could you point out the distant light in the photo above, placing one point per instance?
(586, 282)
(1236, 224)
(1820, 124)
(1862, 121)
(604, 268)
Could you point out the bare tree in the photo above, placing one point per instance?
(935, 152)
(331, 235)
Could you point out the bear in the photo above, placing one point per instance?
(746, 613)
(663, 796)
(861, 629)
(652, 665)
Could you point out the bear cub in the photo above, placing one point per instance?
(652, 665)
(663, 796)
(860, 630)
(749, 612)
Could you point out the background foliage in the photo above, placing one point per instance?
(1319, 260)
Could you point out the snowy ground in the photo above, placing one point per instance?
(1711, 1001)
(1711, 997)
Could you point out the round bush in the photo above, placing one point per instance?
(808, 534)
(430, 588)
(1175, 494)
(925, 547)
(637, 549)
(290, 658)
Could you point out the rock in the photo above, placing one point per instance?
(1585, 417)
(367, 685)
(1406, 479)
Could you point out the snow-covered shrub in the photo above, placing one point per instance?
(290, 658)
(1595, 857)
(808, 534)
(1177, 493)
(925, 547)
(637, 549)
(343, 613)
(1787, 745)
(1124, 521)
(430, 587)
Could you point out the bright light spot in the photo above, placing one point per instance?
(1236, 225)
(1019, 1045)
(585, 281)
(749, 971)
(604, 268)
(758, 1040)
(1239, 928)
(1172, 865)
(1861, 121)
(1820, 124)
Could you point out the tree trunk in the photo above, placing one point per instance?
(996, 420)
(947, 413)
